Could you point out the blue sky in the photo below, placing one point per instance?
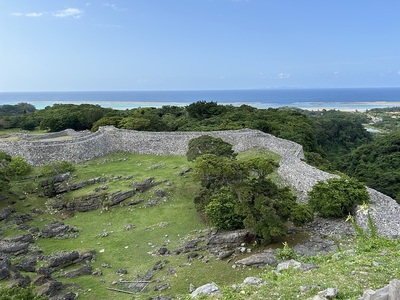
(48, 45)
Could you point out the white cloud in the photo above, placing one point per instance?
(283, 75)
(113, 6)
(30, 14)
(34, 14)
(75, 13)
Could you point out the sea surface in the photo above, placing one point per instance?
(340, 98)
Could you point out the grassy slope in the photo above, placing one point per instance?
(175, 221)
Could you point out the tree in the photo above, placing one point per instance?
(265, 208)
(236, 194)
(214, 172)
(18, 167)
(206, 144)
(106, 121)
(202, 109)
(221, 210)
(337, 197)
(5, 159)
(377, 164)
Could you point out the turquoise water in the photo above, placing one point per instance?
(349, 98)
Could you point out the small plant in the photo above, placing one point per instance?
(286, 252)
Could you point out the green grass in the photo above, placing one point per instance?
(174, 222)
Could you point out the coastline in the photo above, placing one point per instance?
(311, 106)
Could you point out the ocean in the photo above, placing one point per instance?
(339, 98)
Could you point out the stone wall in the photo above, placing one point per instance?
(81, 147)
(109, 138)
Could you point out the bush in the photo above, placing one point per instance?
(301, 214)
(19, 293)
(337, 197)
(209, 145)
(18, 167)
(221, 210)
(56, 168)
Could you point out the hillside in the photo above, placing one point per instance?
(158, 229)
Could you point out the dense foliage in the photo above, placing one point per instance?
(206, 144)
(239, 194)
(377, 164)
(11, 168)
(19, 293)
(337, 197)
(327, 136)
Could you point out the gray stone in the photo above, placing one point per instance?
(329, 293)
(230, 238)
(394, 289)
(207, 289)
(27, 264)
(50, 288)
(16, 245)
(255, 281)
(5, 265)
(62, 259)
(57, 229)
(288, 264)
(259, 259)
(85, 270)
(6, 212)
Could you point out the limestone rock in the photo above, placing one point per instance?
(288, 264)
(230, 238)
(260, 259)
(207, 289)
(5, 265)
(85, 270)
(16, 245)
(254, 281)
(57, 229)
(6, 212)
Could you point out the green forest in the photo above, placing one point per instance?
(363, 145)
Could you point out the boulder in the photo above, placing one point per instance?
(6, 212)
(207, 289)
(27, 264)
(21, 281)
(260, 259)
(85, 270)
(230, 239)
(5, 265)
(254, 281)
(55, 179)
(62, 259)
(50, 288)
(287, 264)
(57, 229)
(315, 245)
(16, 245)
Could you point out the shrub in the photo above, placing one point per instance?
(208, 145)
(19, 293)
(18, 167)
(337, 197)
(301, 214)
(58, 167)
(221, 210)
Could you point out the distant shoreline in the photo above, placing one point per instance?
(346, 99)
(314, 106)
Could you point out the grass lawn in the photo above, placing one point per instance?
(172, 223)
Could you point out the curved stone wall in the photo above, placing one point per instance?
(106, 139)
(80, 147)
